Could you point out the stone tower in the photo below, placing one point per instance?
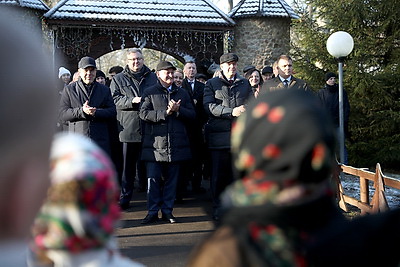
(262, 31)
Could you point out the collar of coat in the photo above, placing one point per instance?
(237, 79)
(174, 88)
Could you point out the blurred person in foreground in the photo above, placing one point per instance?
(282, 211)
(28, 105)
(76, 223)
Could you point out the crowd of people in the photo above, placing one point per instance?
(265, 141)
(185, 123)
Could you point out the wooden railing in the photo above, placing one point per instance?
(378, 201)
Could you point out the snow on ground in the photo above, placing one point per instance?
(351, 187)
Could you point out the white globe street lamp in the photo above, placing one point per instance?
(340, 44)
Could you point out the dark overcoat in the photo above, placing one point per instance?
(165, 137)
(95, 127)
(124, 88)
(220, 98)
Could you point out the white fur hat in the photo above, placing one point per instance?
(62, 71)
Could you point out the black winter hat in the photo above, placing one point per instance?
(228, 57)
(86, 62)
(248, 68)
(267, 69)
(329, 75)
(99, 73)
(165, 65)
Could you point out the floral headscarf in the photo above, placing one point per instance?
(283, 152)
(81, 208)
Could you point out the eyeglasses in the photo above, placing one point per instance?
(135, 59)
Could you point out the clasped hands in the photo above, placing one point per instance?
(173, 106)
(88, 109)
(238, 110)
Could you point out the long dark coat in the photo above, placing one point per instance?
(96, 127)
(220, 98)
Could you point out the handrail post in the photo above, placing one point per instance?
(364, 190)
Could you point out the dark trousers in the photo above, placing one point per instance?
(221, 173)
(117, 156)
(133, 167)
(162, 183)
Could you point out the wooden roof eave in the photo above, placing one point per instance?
(123, 24)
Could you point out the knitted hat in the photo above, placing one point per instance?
(62, 71)
(267, 69)
(329, 75)
(99, 73)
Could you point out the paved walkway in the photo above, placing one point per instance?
(162, 243)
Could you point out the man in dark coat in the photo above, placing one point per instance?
(329, 96)
(127, 88)
(225, 97)
(195, 89)
(88, 106)
(165, 110)
(285, 78)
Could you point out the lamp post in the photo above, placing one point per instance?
(340, 44)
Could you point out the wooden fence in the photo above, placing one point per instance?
(378, 202)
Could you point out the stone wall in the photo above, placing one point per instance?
(260, 41)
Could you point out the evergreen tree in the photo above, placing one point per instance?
(371, 71)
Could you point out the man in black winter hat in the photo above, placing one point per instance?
(267, 73)
(329, 96)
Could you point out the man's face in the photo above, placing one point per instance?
(166, 77)
(135, 61)
(88, 75)
(229, 69)
(190, 70)
(112, 74)
(285, 68)
(267, 76)
(331, 81)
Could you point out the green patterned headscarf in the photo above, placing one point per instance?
(81, 209)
